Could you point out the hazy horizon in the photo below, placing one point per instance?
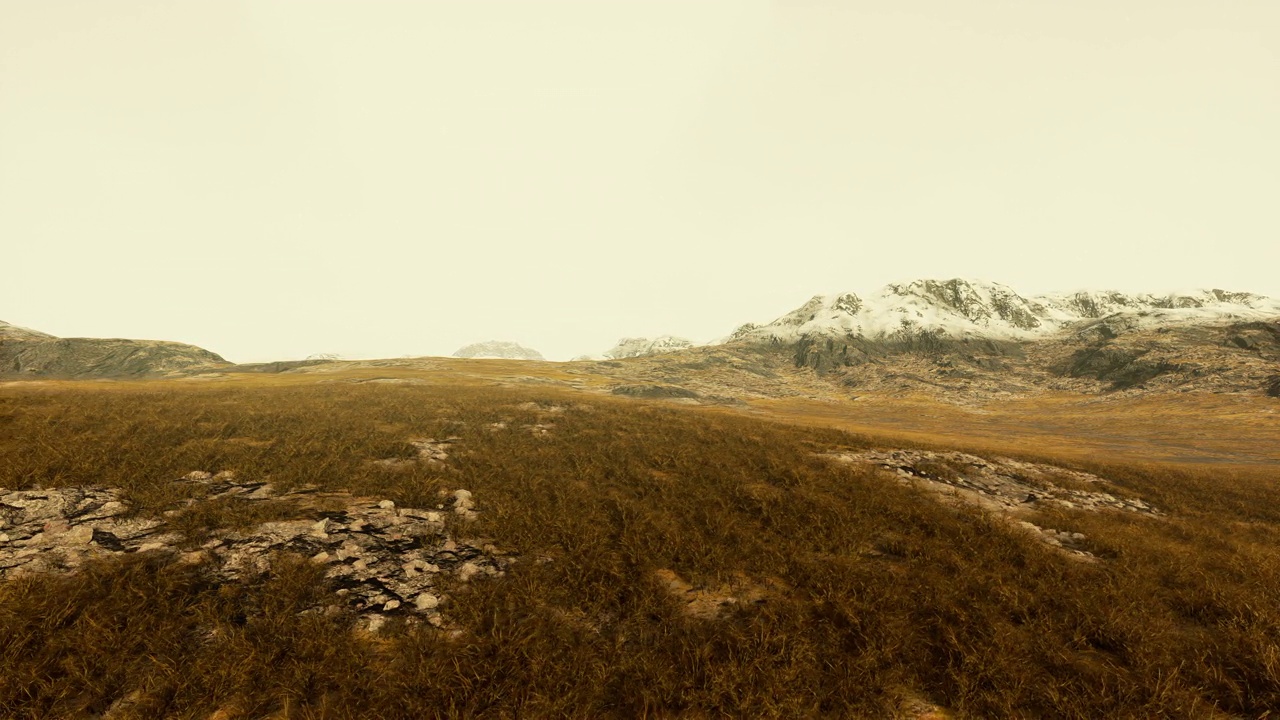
(272, 179)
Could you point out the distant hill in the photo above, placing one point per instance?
(499, 349)
(639, 347)
(30, 353)
(13, 332)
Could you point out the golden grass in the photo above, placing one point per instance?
(879, 595)
(1174, 429)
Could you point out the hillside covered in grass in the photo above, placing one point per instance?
(659, 561)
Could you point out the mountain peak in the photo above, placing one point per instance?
(963, 307)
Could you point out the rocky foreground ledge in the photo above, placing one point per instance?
(382, 559)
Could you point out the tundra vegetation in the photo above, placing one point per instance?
(668, 560)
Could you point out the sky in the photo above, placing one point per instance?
(379, 178)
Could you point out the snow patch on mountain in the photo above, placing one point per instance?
(974, 308)
(498, 349)
(637, 347)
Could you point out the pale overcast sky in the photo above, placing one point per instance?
(273, 179)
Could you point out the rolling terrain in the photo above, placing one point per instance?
(1073, 523)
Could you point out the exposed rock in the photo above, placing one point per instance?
(430, 452)
(498, 349)
(463, 505)
(59, 529)
(1122, 368)
(382, 559)
(1005, 486)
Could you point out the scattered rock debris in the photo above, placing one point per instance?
(431, 452)
(383, 560)
(1005, 486)
(434, 452)
(542, 408)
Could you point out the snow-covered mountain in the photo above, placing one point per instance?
(637, 347)
(973, 308)
(499, 349)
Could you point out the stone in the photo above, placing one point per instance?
(387, 505)
(1009, 487)
(467, 571)
(364, 546)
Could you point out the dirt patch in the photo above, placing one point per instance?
(707, 603)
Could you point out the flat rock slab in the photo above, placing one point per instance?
(381, 559)
(1007, 487)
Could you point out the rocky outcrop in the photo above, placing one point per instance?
(1008, 488)
(381, 560)
(499, 349)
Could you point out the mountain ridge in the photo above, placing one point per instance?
(964, 308)
(26, 353)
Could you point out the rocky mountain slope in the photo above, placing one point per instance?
(13, 332)
(1119, 354)
(976, 309)
(499, 349)
(971, 340)
(28, 353)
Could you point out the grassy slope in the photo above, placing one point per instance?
(877, 594)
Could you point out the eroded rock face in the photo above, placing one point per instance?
(382, 559)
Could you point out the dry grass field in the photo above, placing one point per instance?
(670, 560)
